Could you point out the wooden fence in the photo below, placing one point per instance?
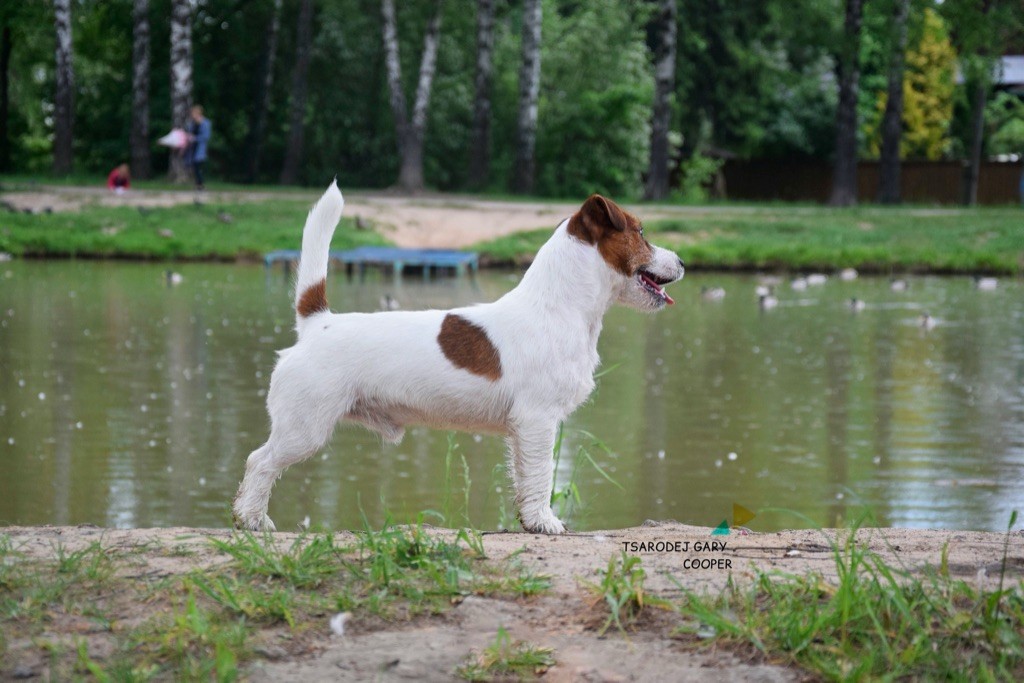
(927, 182)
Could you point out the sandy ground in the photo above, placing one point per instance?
(566, 617)
(435, 221)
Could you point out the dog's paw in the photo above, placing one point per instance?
(263, 523)
(545, 523)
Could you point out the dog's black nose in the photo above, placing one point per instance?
(680, 262)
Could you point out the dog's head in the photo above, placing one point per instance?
(643, 268)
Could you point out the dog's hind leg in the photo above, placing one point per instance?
(530, 449)
(293, 438)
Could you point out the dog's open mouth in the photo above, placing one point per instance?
(653, 284)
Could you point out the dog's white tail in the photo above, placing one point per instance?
(310, 289)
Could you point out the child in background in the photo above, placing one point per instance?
(119, 179)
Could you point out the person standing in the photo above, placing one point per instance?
(199, 136)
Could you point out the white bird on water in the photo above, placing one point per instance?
(847, 274)
(856, 305)
(712, 293)
(898, 285)
(816, 279)
(767, 302)
(985, 284)
(926, 322)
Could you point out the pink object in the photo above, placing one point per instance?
(176, 139)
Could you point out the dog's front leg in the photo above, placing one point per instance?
(530, 450)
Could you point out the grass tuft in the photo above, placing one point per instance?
(622, 590)
(507, 659)
(874, 622)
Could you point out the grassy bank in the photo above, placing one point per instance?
(248, 597)
(215, 231)
(871, 239)
(203, 605)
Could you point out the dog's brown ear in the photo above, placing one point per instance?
(595, 217)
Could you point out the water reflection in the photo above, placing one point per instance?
(126, 402)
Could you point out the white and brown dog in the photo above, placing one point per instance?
(518, 366)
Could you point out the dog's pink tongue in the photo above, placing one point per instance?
(668, 300)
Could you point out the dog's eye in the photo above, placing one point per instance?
(641, 231)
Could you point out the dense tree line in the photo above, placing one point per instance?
(557, 97)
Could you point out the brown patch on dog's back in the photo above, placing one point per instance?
(313, 300)
(467, 346)
(616, 234)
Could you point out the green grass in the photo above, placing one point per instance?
(874, 622)
(621, 589)
(212, 231)
(506, 659)
(207, 624)
(872, 239)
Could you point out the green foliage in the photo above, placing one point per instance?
(928, 94)
(756, 78)
(875, 621)
(1005, 118)
(506, 658)
(697, 174)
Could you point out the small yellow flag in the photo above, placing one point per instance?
(741, 515)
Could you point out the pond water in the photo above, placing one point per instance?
(127, 402)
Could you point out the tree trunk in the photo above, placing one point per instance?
(480, 138)
(181, 81)
(972, 171)
(664, 84)
(64, 98)
(5, 97)
(529, 90)
(139, 142)
(300, 83)
(258, 118)
(410, 132)
(844, 180)
(892, 122)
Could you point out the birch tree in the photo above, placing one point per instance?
(844, 178)
(664, 85)
(892, 120)
(300, 88)
(64, 101)
(181, 79)
(258, 118)
(410, 131)
(529, 89)
(480, 136)
(139, 137)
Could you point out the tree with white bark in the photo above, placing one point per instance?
(181, 80)
(64, 97)
(410, 131)
(524, 173)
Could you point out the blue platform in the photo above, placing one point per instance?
(390, 257)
